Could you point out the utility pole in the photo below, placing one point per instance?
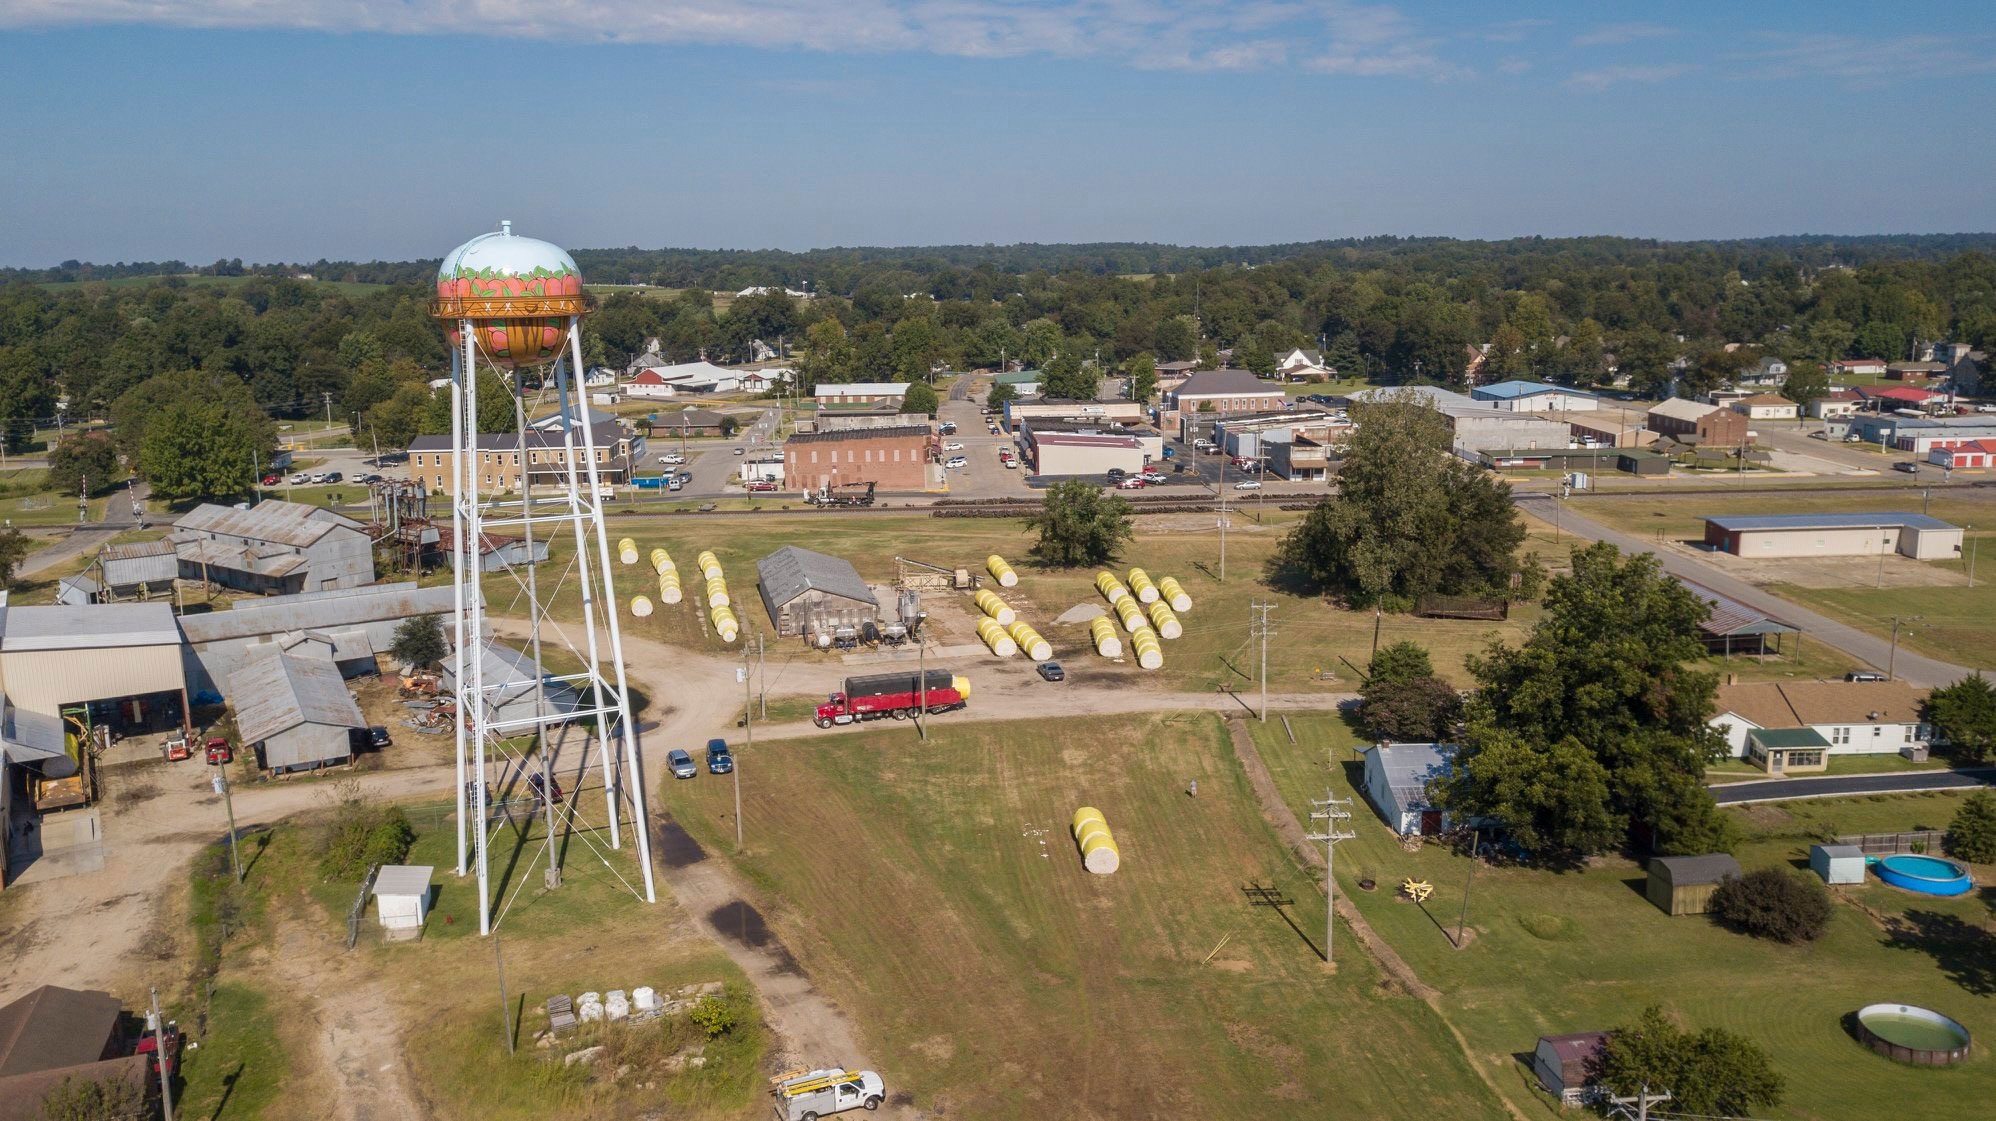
(1223, 515)
(505, 1006)
(1642, 1100)
(1258, 628)
(1892, 660)
(762, 673)
(1331, 815)
(748, 722)
(922, 688)
(220, 781)
(158, 1024)
(1881, 558)
(1971, 556)
(1462, 917)
(329, 409)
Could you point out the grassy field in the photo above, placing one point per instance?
(934, 890)
(1954, 620)
(591, 933)
(1585, 950)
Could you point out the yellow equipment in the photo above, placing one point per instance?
(1417, 890)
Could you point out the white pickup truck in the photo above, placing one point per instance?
(809, 1095)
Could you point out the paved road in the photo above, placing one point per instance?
(1828, 786)
(125, 510)
(1867, 648)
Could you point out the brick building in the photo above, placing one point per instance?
(896, 458)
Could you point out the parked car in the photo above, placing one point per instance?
(1116, 473)
(738, 451)
(1248, 484)
(953, 446)
(377, 736)
(272, 480)
(334, 476)
(219, 752)
(1133, 482)
(1819, 435)
(760, 485)
(1153, 477)
(957, 463)
(1865, 675)
(1051, 671)
(681, 763)
(672, 458)
(1907, 466)
(300, 479)
(719, 762)
(948, 428)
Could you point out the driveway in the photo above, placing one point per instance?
(1836, 786)
(1866, 648)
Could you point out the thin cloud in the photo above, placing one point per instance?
(1513, 66)
(1334, 36)
(1613, 34)
(1871, 62)
(1511, 31)
(1606, 76)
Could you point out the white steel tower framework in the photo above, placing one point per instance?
(574, 502)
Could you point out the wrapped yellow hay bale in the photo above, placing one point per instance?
(1150, 652)
(1001, 572)
(725, 624)
(994, 636)
(717, 593)
(661, 561)
(627, 550)
(1140, 584)
(1131, 615)
(668, 587)
(988, 602)
(1174, 594)
(709, 567)
(1029, 640)
(641, 606)
(1104, 633)
(1166, 623)
(1099, 853)
(1111, 588)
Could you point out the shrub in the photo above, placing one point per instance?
(1971, 836)
(1774, 903)
(362, 835)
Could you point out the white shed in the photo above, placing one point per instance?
(1396, 782)
(402, 898)
(1837, 864)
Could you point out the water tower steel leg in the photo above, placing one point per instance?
(457, 588)
(641, 824)
(575, 517)
(467, 453)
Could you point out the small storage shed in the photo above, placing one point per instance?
(1396, 783)
(1564, 1064)
(402, 899)
(1837, 864)
(1683, 885)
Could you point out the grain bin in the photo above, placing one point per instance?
(1150, 652)
(1029, 640)
(627, 550)
(1131, 615)
(1104, 633)
(988, 602)
(641, 606)
(717, 593)
(1174, 594)
(725, 624)
(994, 636)
(668, 587)
(1140, 584)
(1001, 572)
(1167, 624)
(709, 567)
(661, 561)
(1099, 853)
(1111, 588)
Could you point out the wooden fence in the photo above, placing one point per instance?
(1879, 844)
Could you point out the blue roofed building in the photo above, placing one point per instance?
(1535, 397)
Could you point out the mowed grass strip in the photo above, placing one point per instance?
(933, 890)
(1577, 951)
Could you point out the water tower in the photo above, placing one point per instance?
(513, 304)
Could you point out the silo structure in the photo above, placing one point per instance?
(640, 606)
(1001, 572)
(1099, 853)
(994, 636)
(627, 550)
(1174, 594)
(988, 602)
(1104, 633)
(1140, 584)
(1166, 623)
(1029, 640)
(1150, 652)
(709, 566)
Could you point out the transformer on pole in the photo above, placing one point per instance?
(515, 303)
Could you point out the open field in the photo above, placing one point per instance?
(1584, 950)
(1954, 620)
(294, 1016)
(933, 887)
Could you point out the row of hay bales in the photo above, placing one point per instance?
(1099, 853)
(720, 606)
(1004, 633)
(1150, 614)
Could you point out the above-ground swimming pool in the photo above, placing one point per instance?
(1911, 1034)
(1929, 875)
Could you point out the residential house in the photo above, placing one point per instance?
(1850, 717)
(1301, 365)
(52, 1035)
(1766, 406)
(273, 547)
(1396, 780)
(1769, 371)
(1858, 367)
(1838, 403)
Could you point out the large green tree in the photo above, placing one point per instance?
(1080, 524)
(1409, 518)
(199, 449)
(921, 398)
(1806, 383)
(1964, 716)
(1066, 378)
(14, 548)
(84, 459)
(1611, 666)
(1142, 371)
(1708, 1073)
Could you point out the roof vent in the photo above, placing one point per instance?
(1872, 715)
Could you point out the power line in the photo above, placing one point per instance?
(1330, 814)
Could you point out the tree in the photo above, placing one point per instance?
(1806, 383)
(1409, 518)
(1878, 339)
(1253, 355)
(1000, 393)
(1142, 371)
(1552, 798)
(1713, 1072)
(419, 642)
(1420, 710)
(1964, 716)
(201, 449)
(406, 415)
(1774, 903)
(26, 396)
(920, 398)
(14, 548)
(1972, 834)
(83, 458)
(1067, 379)
(730, 424)
(1080, 524)
(1399, 662)
(1645, 358)
(1608, 668)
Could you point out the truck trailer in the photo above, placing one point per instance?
(899, 695)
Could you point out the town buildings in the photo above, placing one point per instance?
(273, 547)
(503, 465)
(891, 458)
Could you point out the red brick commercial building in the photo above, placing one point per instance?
(895, 458)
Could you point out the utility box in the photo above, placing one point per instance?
(402, 899)
(1837, 864)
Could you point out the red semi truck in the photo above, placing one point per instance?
(899, 695)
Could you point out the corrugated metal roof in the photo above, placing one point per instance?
(1788, 737)
(1510, 390)
(404, 879)
(239, 558)
(148, 562)
(92, 627)
(1085, 440)
(1409, 767)
(1677, 408)
(1707, 869)
(1879, 520)
(317, 611)
(32, 737)
(286, 523)
(274, 692)
(1730, 617)
(509, 677)
(1438, 397)
(789, 572)
(341, 646)
(863, 389)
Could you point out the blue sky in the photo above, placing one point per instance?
(296, 129)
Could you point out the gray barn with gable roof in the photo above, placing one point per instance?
(807, 592)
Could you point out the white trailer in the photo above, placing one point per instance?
(809, 1095)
